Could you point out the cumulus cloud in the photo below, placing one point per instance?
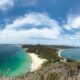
(51, 31)
(6, 4)
(73, 22)
(11, 33)
(34, 19)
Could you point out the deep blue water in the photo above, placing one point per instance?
(73, 54)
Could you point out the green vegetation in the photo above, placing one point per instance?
(70, 60)
(53, 68)
(44, 52)
(56, 71)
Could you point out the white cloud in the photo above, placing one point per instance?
(34, 19)
(10, 34)
(73, 23)
(15, 36)
(77, 36)
(5, 4)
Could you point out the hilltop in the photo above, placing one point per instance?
(53, 68)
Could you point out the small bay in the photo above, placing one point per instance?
(73, 54)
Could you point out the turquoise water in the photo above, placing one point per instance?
(73, 54)
(14, 61)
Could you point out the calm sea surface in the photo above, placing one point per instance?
(71, 53)
(14, 61)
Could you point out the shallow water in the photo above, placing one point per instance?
(71, 53)
(14, 61)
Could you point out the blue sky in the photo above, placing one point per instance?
(40, 22)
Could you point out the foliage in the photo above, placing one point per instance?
(44, 52)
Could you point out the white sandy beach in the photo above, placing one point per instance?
(59, 52)
(36, 61)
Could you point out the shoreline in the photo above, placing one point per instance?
(59, 52)
(36, 61)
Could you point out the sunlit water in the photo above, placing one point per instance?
(14, 61)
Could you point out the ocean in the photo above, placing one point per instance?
(73, 54)
(14, 61)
